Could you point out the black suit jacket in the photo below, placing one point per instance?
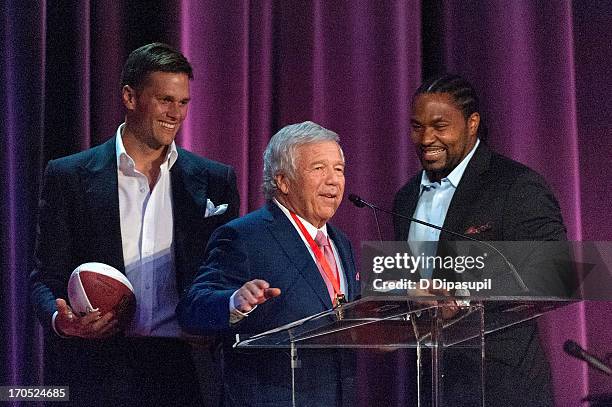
(513, 201)
(265, 245)
(501, 200)
(79, 218)
(79, 221)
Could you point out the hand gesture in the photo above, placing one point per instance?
(253, 293)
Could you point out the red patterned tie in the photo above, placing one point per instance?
(323, 243)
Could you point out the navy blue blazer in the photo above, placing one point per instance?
(79, 218)
(265, 245)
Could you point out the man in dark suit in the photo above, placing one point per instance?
(146, 207)
(467, 188)
(276, 265)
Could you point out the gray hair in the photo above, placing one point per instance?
(280, 155)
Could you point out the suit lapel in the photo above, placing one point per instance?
(99, 177)
(189, 185)
(468, 191)
(291, 243)
(189, 195)
(409, 206)
(348, 266)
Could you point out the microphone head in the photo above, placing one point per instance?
(572, 348)
(357, 201)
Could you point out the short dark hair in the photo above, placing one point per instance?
(461, 91)
(155, 57)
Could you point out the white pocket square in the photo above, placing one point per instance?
(212, 210)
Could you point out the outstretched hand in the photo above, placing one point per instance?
(253, 293)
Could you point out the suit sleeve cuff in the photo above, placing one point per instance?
(236, 315)
(462, 297)
(54, 327)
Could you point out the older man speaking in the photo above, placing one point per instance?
(278, 264)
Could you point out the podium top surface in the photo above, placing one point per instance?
(402, 322)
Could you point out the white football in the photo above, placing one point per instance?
(100, 286)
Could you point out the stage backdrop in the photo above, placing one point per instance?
(540, 66)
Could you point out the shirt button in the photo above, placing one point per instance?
(142, 189)
(148, 287)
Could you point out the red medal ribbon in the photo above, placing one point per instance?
(333, 278)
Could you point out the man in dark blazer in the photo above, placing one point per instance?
(146, 207)
(467, 188)
(263, 271)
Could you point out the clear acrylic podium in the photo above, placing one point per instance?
(394, 322)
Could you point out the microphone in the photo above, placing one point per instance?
(360, 203)
(357, 201)
(573, 349)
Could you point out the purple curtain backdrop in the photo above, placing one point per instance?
(541, 68)
(522, 56)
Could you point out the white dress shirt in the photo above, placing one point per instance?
(434, 201)
(147, 230)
